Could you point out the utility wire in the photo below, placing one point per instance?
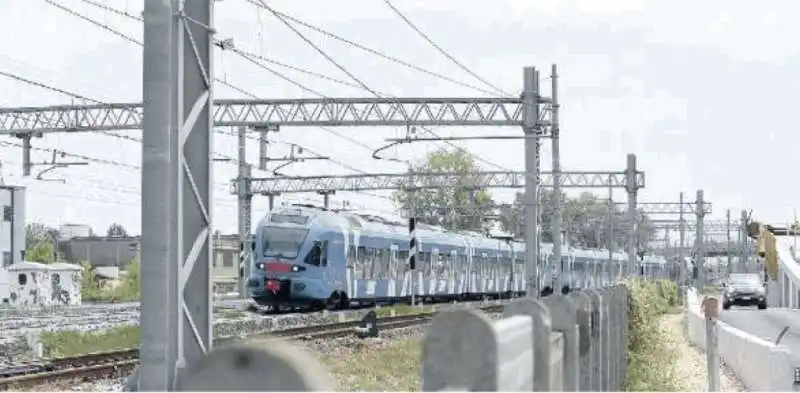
(247, 56)
(259, 3)
(284, 20)
(78, 156)
(441, 50)
(254, 60)
(113, 188)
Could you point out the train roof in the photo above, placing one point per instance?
(366, 224)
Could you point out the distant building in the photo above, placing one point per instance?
(119, 251)
(101, 251)
(68, 231)
(12, 227)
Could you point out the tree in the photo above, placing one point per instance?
(445, 206)
(585, 219)
(41, 252)
(37, 232)
(116, 230)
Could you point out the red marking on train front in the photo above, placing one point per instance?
(278, 267)
(273, 286)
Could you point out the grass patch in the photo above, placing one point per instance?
(73, 343)
(652, 356)
(395, 367)
(67, 343)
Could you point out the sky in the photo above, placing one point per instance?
(704, 93)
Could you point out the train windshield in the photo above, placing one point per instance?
(282, 242)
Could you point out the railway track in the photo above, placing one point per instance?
(106, 365)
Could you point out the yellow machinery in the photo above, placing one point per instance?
(766, 245)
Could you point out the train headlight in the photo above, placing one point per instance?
(295, 268)
(260, 266)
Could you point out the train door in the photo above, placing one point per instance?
(452, 276)
(396, 272)
(432, 276)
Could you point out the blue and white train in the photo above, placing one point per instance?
(305, 256)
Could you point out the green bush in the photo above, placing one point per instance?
(651, 357)
(127, 290)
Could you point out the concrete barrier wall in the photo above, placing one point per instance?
(560, 343)
(762, 365)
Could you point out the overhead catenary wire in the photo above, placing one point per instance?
(442, 50)
(259, 61)
(280, 16)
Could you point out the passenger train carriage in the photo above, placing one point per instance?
(309, 256)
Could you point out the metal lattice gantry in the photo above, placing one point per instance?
(392, 181)
(700, 208)
(716, 226)
(446, 111)
(661, 208)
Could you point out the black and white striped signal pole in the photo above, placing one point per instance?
(412, 253)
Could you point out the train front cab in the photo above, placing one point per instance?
(292, 269)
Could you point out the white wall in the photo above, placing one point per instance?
(762, 366)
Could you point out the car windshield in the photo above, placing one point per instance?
(745, 280)
(281, 241)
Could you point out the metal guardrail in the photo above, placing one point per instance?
(574, 342)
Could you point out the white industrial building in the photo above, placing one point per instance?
(68, 231)
(12, 232)
(33, 284)
(12, 227)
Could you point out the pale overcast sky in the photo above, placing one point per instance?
(704, 92)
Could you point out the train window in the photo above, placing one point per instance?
(315, 255)
(435, 263)
(369, 254)
(379, 261)
(363, 263)
(393, 262)
(324, 253)
(386, 264)
(402, 263)
(462, 264)
(351, 256)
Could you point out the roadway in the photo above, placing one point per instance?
(767, 324)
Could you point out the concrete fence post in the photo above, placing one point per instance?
(597, 318)
(623, 301)
(279, 366)
(465, 350)
(583, 313)
(542, 330)
(563, 315)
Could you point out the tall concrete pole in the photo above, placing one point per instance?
(681, 241)
(245, 213)
(555, 229)
(177, 248)
(743, 244)
(610, 241)
(728, 234)
(632, 191)
(530, 118)
(699, 256)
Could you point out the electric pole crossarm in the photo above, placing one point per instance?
(392, 181)
(654, 208)
(278, 112)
